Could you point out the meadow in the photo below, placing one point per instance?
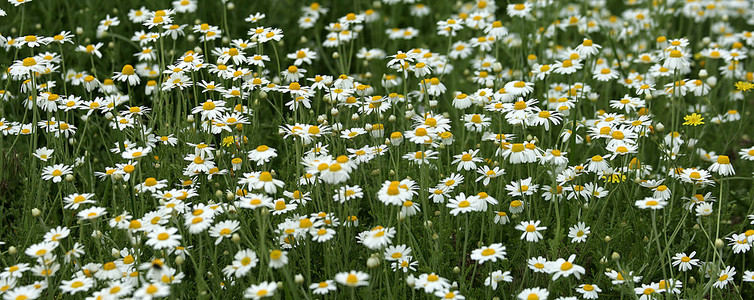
(388, 149)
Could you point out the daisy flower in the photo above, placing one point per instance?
(377, 237)
(578, 233)
(162, 238)
(262, 290)
(489, 253)
(722, 166)
(496, 277)
(467, 160)
(91, 213)
(152, 290)
(262, 154)
(533, 293)
(352, 278)
(56, 172)
(323, 287)
(431, 283)
(531, 230)
(278, 259)
(724, 277)
(565, 268)
(651, 203)
(589, 291)
(224, 229)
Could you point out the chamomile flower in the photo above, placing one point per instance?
(352, 278)
(56, 172)
(323, 287)
(578, 233)
(565, 268)
(531, 230)
(489, 253)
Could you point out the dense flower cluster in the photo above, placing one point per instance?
(445, 149)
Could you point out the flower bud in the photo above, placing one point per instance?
(179, 260)
(411, 280)
(659, 127)
(35, 212)
(373, 262)
(12, 250)
(712, 81)
(615, 256)
(299, 279)
(497, 67)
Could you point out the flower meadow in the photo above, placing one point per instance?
(390, 149)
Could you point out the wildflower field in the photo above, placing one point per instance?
(389, 149)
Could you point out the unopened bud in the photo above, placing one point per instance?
(299, 279)
(236, 238)
(608, 239)
(373, 262)
(659, 127)
(179, 260)
(411, 280)
(497, 67)
(35, 212)
(615, 256)
(719, 243)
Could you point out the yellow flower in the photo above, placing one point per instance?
(744, 86)
(693, 119)
(614, 178)
(229, 141)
